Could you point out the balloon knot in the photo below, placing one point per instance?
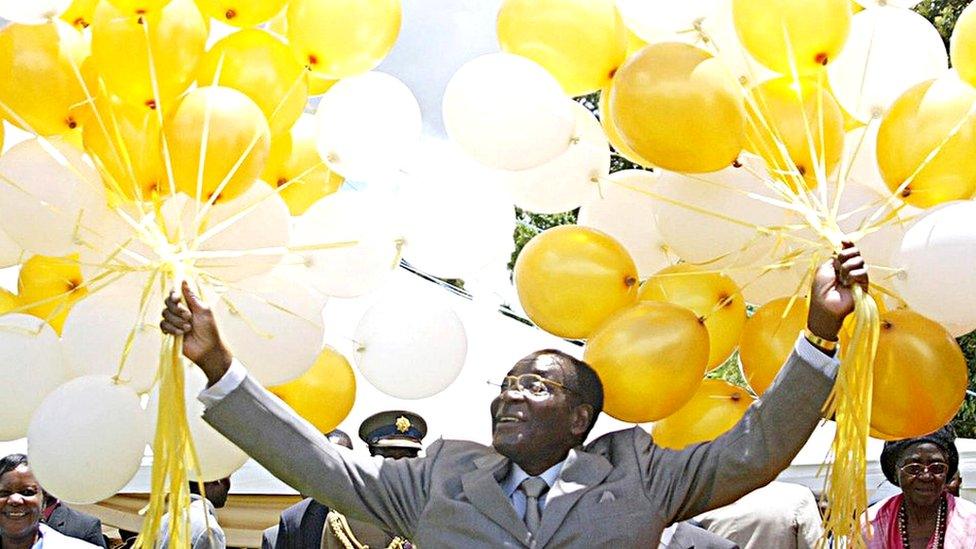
(139, 19)
(886, 325)
(822, 59)
(906, 192)
(630, 281)
(281, 181)
(736, 163)
(80, 22)
(612, 72)
(230, 14)
(313, 60)
(801, 170)
(151, 104)
(71, 123)
(736, 396)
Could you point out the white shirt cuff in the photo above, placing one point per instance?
(232, 378)
(815, 357)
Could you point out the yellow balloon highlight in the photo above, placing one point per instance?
(920, 376)
(302, 177)
(138, 7)
(804, 118)
(962, 46)
(580, 42)
(651, 358)
(41, 65)
(124, 143)
(324, 394)
(177, 36)
(678, 107)
(786, 34)
(768, 339)
(8, 301)
(570, 279)
(241, 13)
(49, 286)
(712, 296)
(714, 409)
(613, 134)
(917, 125)
(261, 66)
(340, 38)
(80, 13)
(236, 129)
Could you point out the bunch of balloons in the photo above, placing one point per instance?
(155, 141)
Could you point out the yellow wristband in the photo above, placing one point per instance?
(825, 344)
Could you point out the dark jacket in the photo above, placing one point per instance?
(78, 525)
(300, 526)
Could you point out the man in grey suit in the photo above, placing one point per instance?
(537, 486)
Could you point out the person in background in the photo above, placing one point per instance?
(205, 532)
(954, 484)
(71, 522)
(780, 514)
(924, 514)
(394, 434)
(21, 509)
(689, 535)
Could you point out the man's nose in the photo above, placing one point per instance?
(15, 499)
(511, 393)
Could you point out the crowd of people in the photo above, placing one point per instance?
(538, 485)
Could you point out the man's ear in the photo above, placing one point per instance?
(582, 419)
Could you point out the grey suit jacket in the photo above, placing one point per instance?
(76, 524)
(620, 490)
(689, 536)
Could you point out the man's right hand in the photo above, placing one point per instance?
(201, 339)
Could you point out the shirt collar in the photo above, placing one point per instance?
(516, 475)
(667, 534)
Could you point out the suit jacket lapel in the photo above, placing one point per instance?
(580, 472)
(484, 492)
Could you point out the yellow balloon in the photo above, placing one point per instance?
(916, 126)
(340, 38)
(124, 144)
(580, 42)
(303, 178)
(613, 134)
(678, 107)
(41, 67)
(278, 153)
(49, 286)
(318, 84)
(261, 66)
(920, 376)
(8, 301)
(80, 13)
(138, 7)
(570, 279)
(714, 409)
(710, 295)
(651, 358)
(962, 46)
(236, 128)
(177, 36)
(634, 43)
(241, 13)
(798, 115)
(768, 339)
(325, 393)
(786, 35)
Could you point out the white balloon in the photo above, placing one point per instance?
(707, 235)
(218, 456)
(257, 220)
(368, 126)
(937, 257)
(272, 325)
(31, 361)
(908, 4)
(94, 341)
(87, 439)
(457, 217)
(436, 38)
(10, 252)
(506, 111)
(365, 218)
(771, 276)
(863, 207)
(49, 194)
(410, 348)
(889, 50)
(660, 20)
(626, 213)
(565, 182)
(32, 12)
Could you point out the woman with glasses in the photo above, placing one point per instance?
(924, 515)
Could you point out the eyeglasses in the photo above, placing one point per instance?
(917, 469)
(529, 384)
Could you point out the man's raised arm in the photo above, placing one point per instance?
(388, 493)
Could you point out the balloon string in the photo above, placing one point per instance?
(140, 324)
